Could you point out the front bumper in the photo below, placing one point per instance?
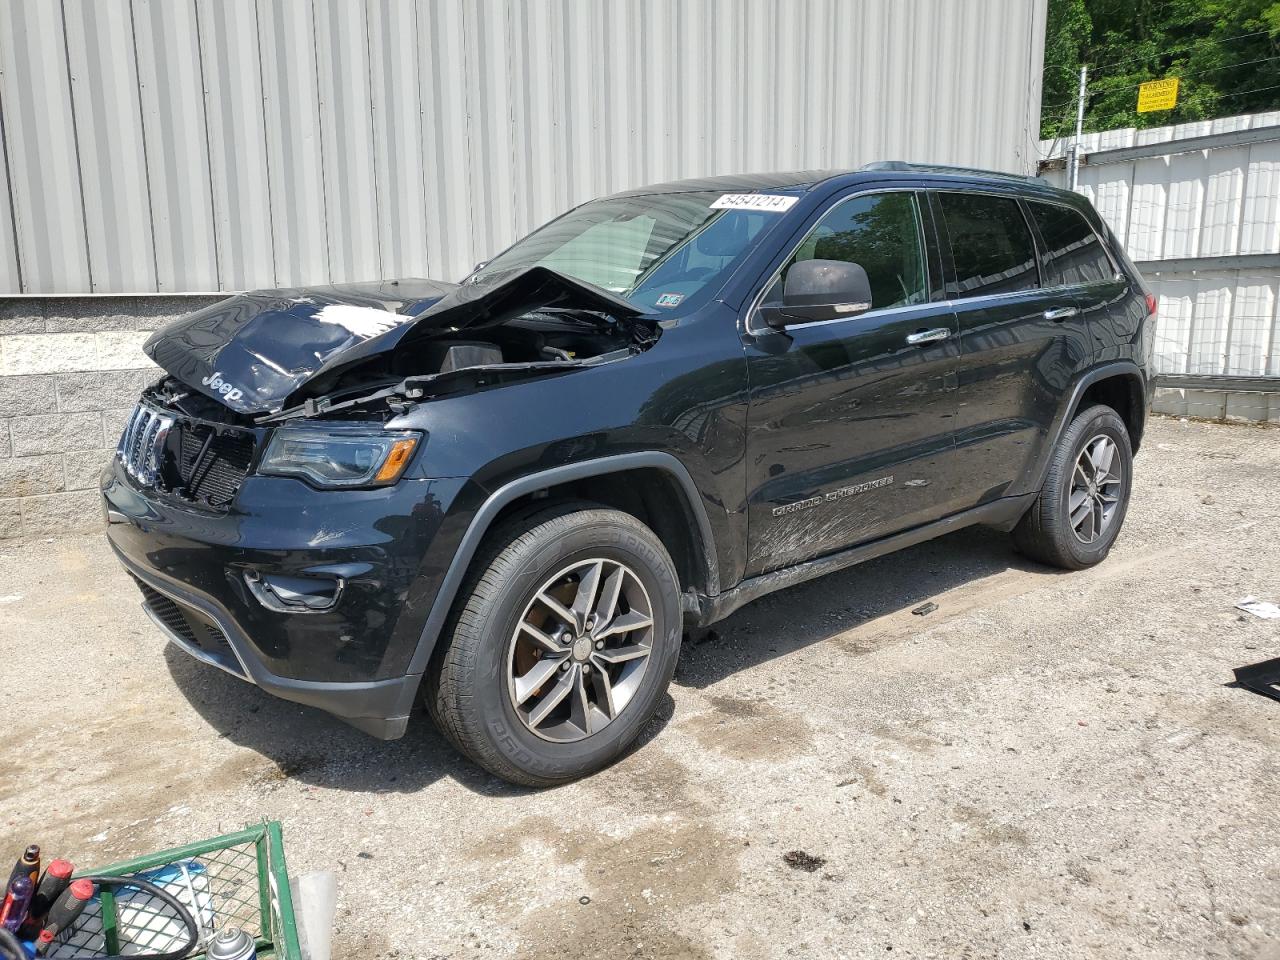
(197, 570)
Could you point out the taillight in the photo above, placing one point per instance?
(1151, 304)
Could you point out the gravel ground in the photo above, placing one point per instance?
(1048, 765)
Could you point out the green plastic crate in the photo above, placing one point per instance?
(238, 880)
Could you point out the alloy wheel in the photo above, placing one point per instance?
(580, 650)
(1096, 485)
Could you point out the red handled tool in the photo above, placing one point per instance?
(57, 877)
(64, 912)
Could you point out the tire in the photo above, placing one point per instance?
(477, 681)
(1047, 532)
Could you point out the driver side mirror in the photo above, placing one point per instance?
(820, 290)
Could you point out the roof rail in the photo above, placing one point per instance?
(902, 166)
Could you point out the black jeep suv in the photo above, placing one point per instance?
(511, 494)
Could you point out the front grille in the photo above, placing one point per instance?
(142, 445)
(192, 627)
(212, 465)
(198, 461)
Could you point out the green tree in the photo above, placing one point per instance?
(1225, 52)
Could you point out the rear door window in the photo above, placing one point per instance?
(1075, 253)
(991, 244)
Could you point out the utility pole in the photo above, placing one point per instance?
(1073, 163)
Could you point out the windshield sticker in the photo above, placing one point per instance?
(772, 202)
(670, 299)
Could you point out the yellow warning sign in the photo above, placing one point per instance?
(1158, 95)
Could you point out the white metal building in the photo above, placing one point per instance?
(1197, 205)
(204, 145)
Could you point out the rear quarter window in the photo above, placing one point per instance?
(1075, 252)
(991, 244)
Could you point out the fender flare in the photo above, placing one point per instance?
(554, 476)
(1118, 368)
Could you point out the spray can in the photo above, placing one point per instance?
(231, 944)
(64, 912)
(28, 865)
(16, 901)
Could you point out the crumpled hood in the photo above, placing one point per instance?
(253, 351)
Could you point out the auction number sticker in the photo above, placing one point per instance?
(771, 202)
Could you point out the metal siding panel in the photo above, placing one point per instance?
(40, 135)
(536, 121)
(177, 149)
(1174, 313)
(1273, 354)
(295, 165)
(1184, 205)
(237, 140)
(1147, 209)
(10, 273)
(1224, 189)
(444, 141)
(581, 145)
(489, 142)
(399, 161)
(489, 132)
(758, 99)
(1114, 190)
(1260, 219)
(346, 122)
(725, 32)
(1251, 323)
(1208, 343)
(104, 89)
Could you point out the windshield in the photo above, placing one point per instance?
(660, 251)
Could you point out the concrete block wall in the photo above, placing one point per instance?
(71, 370)
(1242, 406)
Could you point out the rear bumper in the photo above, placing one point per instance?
(378, 707)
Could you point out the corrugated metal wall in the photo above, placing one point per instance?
(1221, 202)
(200, 145)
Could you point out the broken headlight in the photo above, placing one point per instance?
(339, 455)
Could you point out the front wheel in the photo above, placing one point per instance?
(1082, 505)
(567, 636)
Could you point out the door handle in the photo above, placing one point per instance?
(1061, 313)
(928, 336)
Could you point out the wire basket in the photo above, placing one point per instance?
(237, 880)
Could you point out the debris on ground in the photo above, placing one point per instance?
(925, 609)
(1263, 678)
(1259, 608)
(799, 860)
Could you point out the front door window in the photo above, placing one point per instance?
(881, 232)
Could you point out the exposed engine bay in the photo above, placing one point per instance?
(275, 355)
(539, 344)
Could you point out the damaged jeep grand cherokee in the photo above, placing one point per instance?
(509, 496)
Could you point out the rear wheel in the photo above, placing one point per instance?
(1082, 505)
(567, 636)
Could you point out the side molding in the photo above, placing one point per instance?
(1002, 513)
(508, 492)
